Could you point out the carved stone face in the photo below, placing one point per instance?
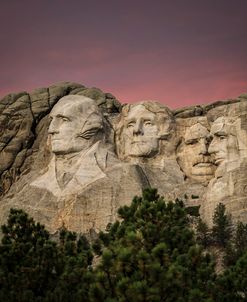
(224, 144)
(75, 120)
(193, 156)
(141, 133)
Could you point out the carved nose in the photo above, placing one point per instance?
(137, 129)
(203, 148)
(53, 128)
(211, 148)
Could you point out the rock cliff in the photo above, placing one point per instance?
(71, 155)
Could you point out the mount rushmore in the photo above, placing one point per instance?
(71, 156)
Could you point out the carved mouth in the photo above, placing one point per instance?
(137, 142)
(202, 165)
(55, 139)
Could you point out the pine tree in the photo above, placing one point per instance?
(75, 259)
(34, 268)
(27, 259)
(222, 226)
(237, 246)
(151, 255)
(240, 239)
(203, 233)
(231, 285)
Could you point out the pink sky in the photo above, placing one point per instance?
(180, 54)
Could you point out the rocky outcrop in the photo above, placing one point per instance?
(24, 123)
(71, 155)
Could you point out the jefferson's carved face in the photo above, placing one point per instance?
(224, 144)
(74, 121)
(141, 133)
(193, 156)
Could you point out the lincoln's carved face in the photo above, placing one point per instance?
(75, 122)
(141, 133)
(224, 144)
(193, 156)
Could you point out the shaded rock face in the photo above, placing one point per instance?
(71, 155)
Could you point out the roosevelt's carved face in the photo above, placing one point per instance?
(224, 144)
(193, 156)
(75, 120)
(141, 133)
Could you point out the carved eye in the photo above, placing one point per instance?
(148, 123)
(222, 137)
(191, 142)
(130, 125)
(64, 118)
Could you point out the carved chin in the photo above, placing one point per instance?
(55, 148)
(141, 151)
(200, 172)
(60, 149)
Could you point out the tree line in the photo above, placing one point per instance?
(152, 254)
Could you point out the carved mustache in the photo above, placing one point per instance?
(203, 160)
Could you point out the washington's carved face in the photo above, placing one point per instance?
(224, 144)
(193, 156)
(141, 133)
(74, 121)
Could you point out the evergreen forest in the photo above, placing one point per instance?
(158, 251)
